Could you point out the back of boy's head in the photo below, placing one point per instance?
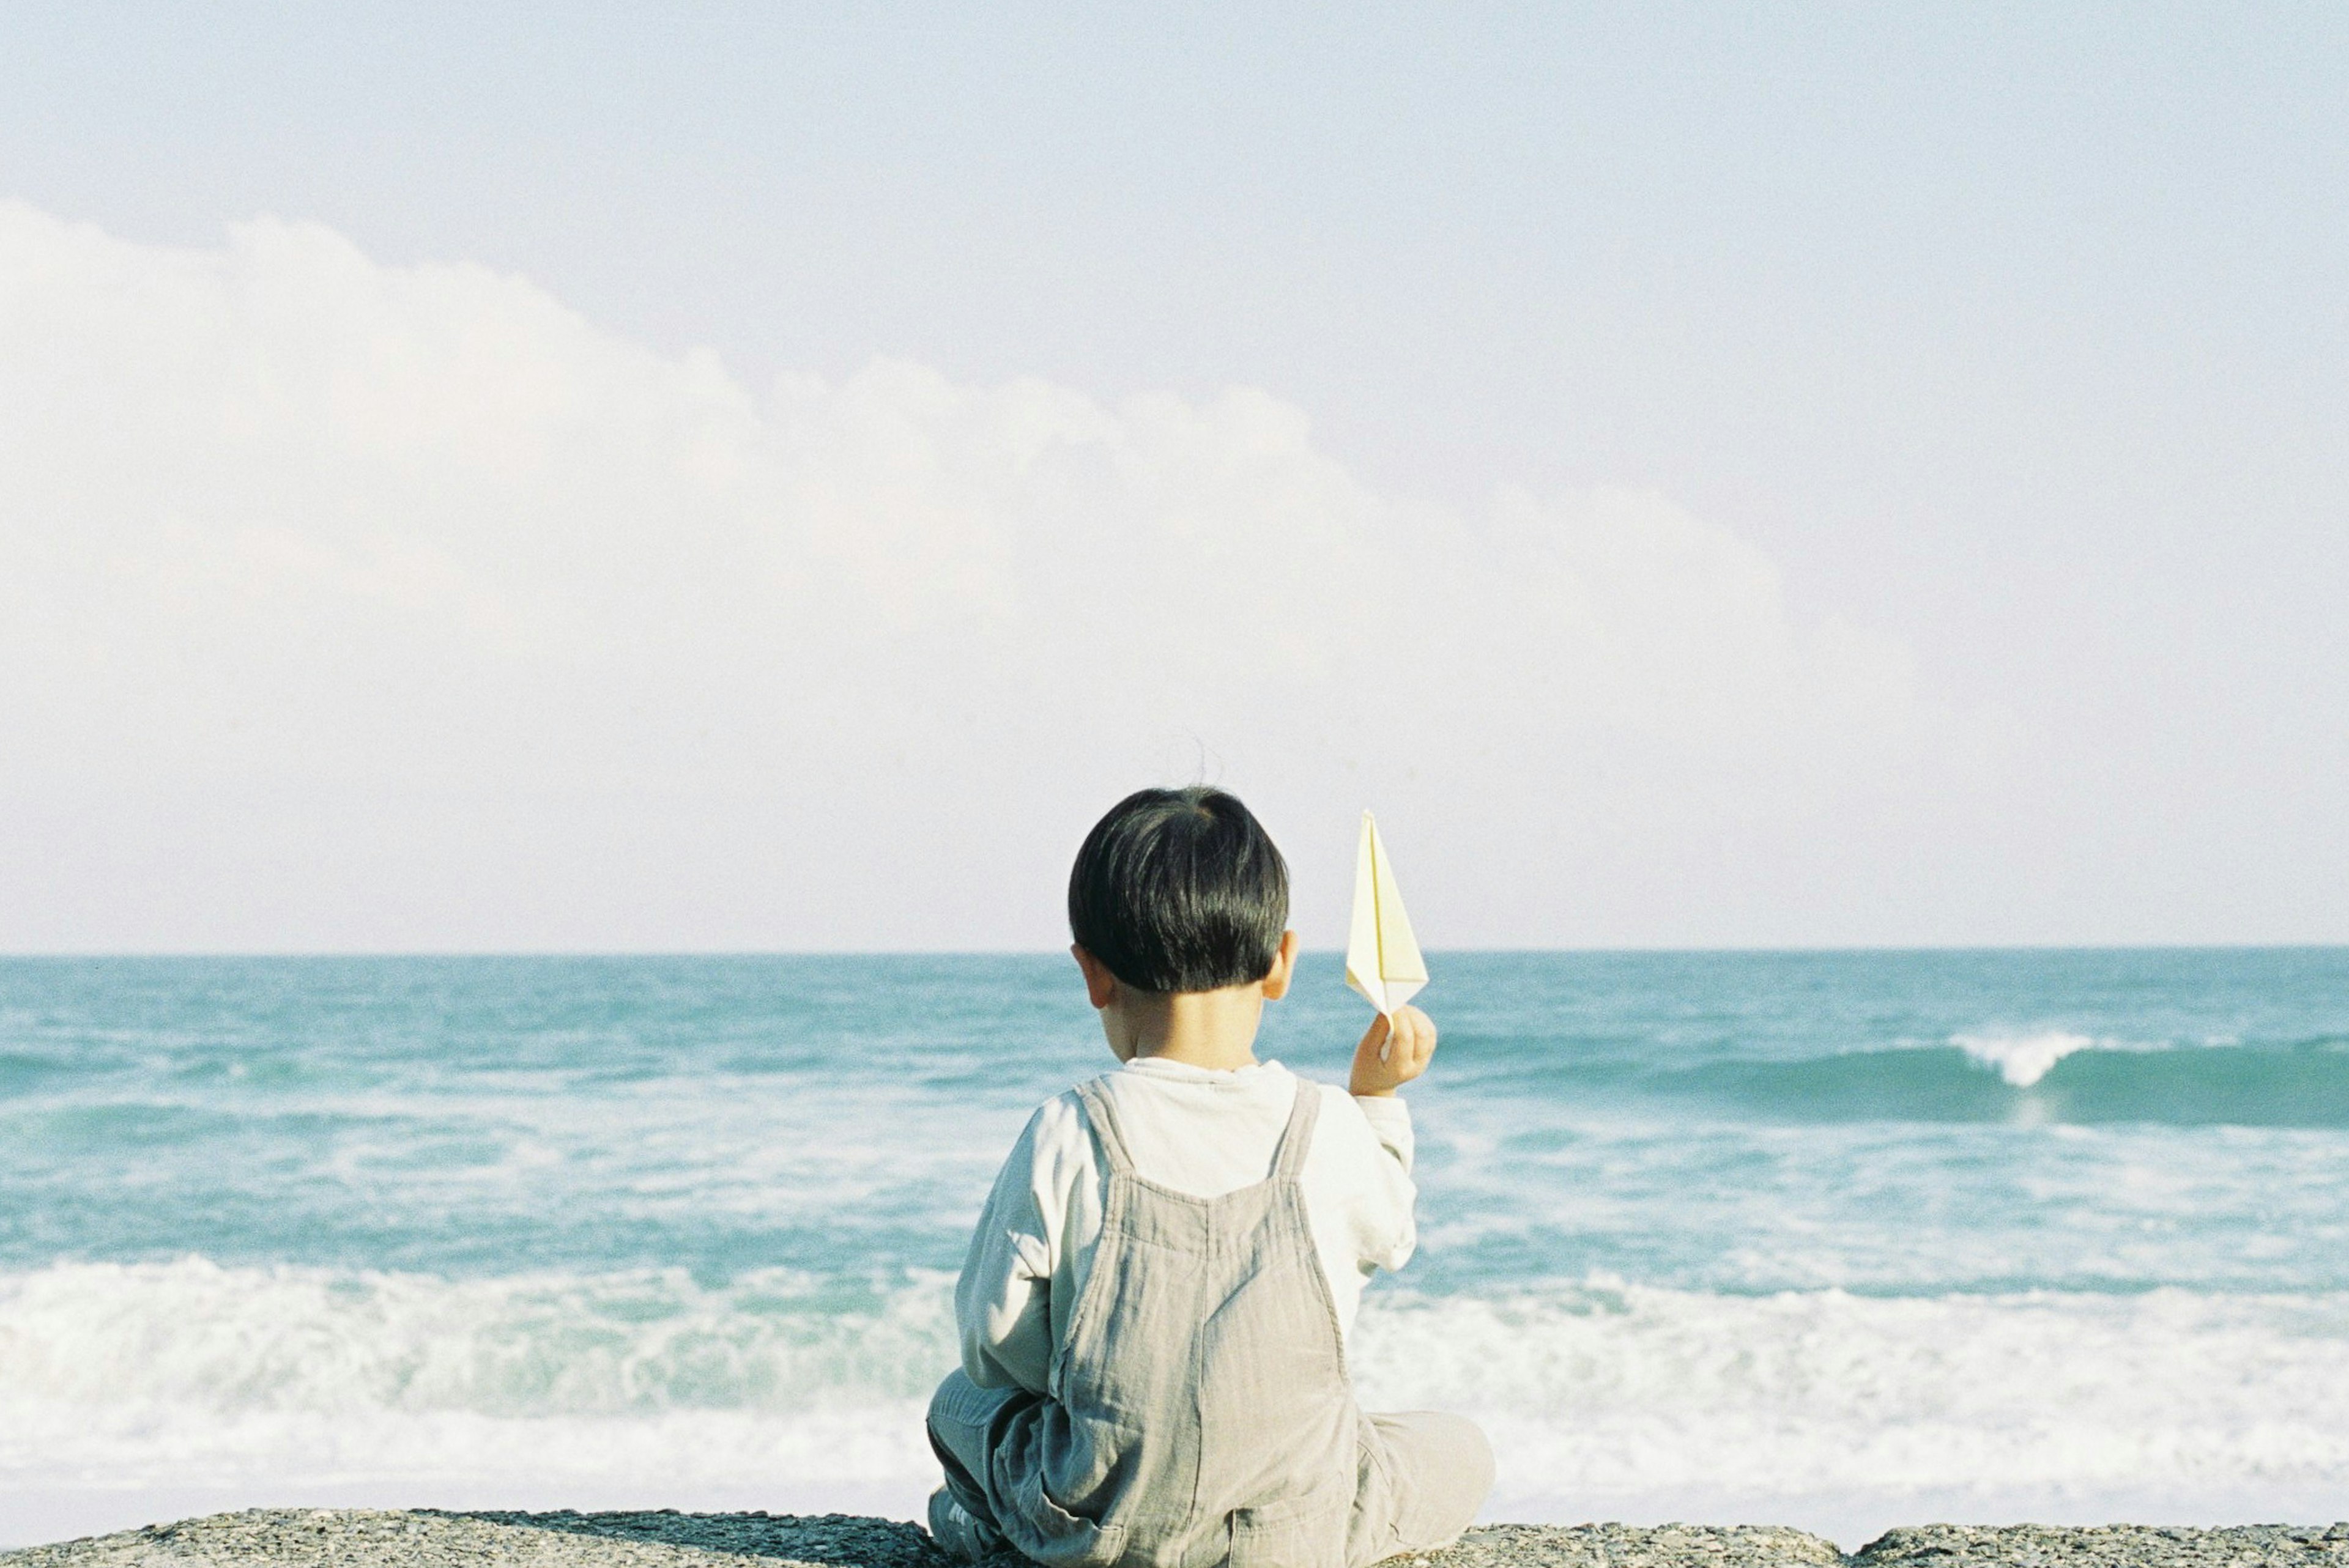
(1180, 890)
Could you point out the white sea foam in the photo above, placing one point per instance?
(323, 1341)
(1627, 1388)
(2022, 1059)
(282, 1383)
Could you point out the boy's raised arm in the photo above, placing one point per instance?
(1393, 1051)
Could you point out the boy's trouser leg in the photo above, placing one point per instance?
(1440, 1470)
(963, 1418)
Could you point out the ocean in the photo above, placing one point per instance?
(1834, 1240)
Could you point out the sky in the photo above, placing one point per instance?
(732, 477)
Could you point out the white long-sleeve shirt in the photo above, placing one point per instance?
(1200, 1132)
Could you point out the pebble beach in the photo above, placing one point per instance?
(380, 1538)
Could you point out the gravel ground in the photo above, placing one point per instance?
(372, 1538)
(1964, 1546)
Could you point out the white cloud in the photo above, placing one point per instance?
(350, 603)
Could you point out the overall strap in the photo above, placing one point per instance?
(1104, 1122)
(1299, 1137)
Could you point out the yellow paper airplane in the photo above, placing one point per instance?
(1382, 959)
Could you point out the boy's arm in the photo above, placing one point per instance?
(1392, 1052)
(1389, 1199)
(1003, 1300)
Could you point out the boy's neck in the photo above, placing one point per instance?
(1213, 1029)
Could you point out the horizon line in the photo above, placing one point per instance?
(1816, 950)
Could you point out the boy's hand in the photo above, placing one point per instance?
(1391, 1056)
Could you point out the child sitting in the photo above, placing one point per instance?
(1156, 1305)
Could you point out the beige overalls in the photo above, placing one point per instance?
(1199, 1409)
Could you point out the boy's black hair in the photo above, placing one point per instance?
(1180, 890)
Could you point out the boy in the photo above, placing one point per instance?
(1155, 1307)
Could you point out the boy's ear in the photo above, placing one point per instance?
(1100, 986)
(1284, 967)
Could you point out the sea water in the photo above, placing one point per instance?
(1837, 1239)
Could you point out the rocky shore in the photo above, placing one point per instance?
(372, 1538)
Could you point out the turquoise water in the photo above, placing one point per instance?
(1843, 1234)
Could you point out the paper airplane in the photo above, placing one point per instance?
(1382, 959)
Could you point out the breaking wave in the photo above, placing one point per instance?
(2040, 1074)
(202, 1373)
(2022, 1059)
